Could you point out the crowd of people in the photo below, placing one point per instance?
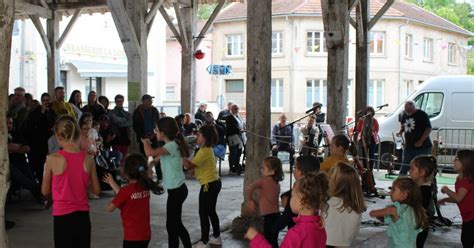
(54, 148)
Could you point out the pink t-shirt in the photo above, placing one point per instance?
(307, 232)
(70, 188)
(268, 196)
(466, 206)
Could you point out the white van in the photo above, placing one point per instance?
(449, 103)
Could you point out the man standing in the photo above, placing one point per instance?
(417, 128)
(59, 106)
(235, 137)
(282, 139)
(123, 121)
(224, 113)
(18, 110)
(39, 128)
(145, 118)
(200, 113)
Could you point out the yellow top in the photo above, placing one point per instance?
(205, 162)
(331, 161)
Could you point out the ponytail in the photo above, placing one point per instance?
(169, 127)
(136, 168)
(182, 146)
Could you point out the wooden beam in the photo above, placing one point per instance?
(182, 29)
(379, 14)
(336, 32)
(53, 61)
(39, 27)
(352, 22)
(154, 8)
(352, 4)
(32, 9)
(44, 4)
(149, 26)
(209, 22)
(7, 11)
(170, 24)
(258, 83)
(69, 26)
(362, 58)
(124, 27)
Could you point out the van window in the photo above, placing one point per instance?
(430, 102)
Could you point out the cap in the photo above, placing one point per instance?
(317, 104)
(147, 97)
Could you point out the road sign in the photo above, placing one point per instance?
(219, 69)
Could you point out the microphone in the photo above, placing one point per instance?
(382, 106)
(311, 110)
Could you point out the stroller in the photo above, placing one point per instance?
(107, 162)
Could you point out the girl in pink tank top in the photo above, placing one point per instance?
(68, 175)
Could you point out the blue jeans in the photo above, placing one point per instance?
(408, 155)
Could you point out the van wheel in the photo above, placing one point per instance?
(388, 158)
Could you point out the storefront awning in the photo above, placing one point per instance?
(87, 69)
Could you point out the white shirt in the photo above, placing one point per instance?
(341, 227)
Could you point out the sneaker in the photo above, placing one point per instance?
(215, 241)
(200, 244)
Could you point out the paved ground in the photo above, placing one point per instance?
(34, 225)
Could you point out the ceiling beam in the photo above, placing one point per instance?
(182, 28)
(69, 26)
(209, 22)
(170, 24)
(39, 27)
(379, 14)
(154, 8)
(32, 9)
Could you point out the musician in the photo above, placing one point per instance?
(320, 118)
(368, 129)
(416, 125)
(308, 139)
(282, 139)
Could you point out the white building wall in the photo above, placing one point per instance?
(295, 65)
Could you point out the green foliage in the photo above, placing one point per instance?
(470, 63)
(205, 11)
(461, 14)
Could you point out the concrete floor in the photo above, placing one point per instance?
(34, 227)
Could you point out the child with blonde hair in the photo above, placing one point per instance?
(345, 206)
(406, 217)
(69, 174)
(308, 198)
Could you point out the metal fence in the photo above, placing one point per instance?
(448, 141)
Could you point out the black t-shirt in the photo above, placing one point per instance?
(415, 126)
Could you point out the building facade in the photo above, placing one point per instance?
(407, 46)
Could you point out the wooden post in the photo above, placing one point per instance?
(7, 10)
(362, 55)
(188, 63)
(53, 61)
(129, 19)
(336, 33)
(259, 43)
